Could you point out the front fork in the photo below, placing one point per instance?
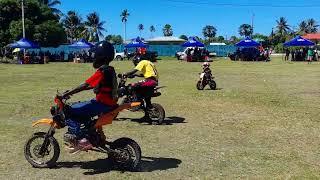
(46, 141)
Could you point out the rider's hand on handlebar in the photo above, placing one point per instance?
(131, 76)
(65, 95)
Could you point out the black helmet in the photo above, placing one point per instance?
(136, 59)
(103, 53)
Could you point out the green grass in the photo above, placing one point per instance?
(263, 122)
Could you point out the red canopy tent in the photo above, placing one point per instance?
(312, 36)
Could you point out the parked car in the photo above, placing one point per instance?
(182, 55)
(119, 56)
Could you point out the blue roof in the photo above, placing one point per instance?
(81, 44)
(136, 43)
(24, 44)
(248, 42)
(299, 41)
(193, 42)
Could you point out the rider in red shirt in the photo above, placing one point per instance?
(104, 85)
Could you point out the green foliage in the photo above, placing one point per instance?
(50, 33)
(245, 30)
(93, 27)
(114, 39)
(40, 21)
(183, 37)
(209, 32)
(282, 26)
(167, 30)
(279, 48)
(15, 29)
(220, 39)
(73, 25)
(124, 15)
(152, 29)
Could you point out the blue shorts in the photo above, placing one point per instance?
(82, 112)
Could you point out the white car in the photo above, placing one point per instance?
(119, 56)
(183, 54)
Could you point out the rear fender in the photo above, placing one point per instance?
(49, 122)
(108, 117)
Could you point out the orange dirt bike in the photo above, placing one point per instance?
(42, 149)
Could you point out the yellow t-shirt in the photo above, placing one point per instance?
(148, 69)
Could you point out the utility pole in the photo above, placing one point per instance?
(252, 25)
(22, 11)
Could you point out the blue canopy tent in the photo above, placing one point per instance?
(299, 41)
(81, 44)
(136, 43)
(248, 42)
(193, 42)
(24, 44)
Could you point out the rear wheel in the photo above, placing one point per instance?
(213, 85)
(200, 85)
(42, 152)
(118, 58)
(127, 155)
(156, 114)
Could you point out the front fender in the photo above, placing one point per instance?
(49, 122)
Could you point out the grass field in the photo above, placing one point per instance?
(262, 122)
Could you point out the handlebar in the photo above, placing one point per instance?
(122, 76)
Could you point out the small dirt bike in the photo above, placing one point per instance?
(42, 149)
(156, 113)
(206, 78)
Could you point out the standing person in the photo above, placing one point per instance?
(292, 55)
(310, 55)
(286, 58)
(189, 56)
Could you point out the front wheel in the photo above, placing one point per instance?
(200, 85)
(213, 85)
(157, 114)
(127, 155)
(41, 151)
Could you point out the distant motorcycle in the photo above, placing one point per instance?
(42, 149)
(206, 78)
(156, 114)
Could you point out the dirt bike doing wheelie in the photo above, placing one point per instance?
(206, 78)
(156, 113)
(42, 149)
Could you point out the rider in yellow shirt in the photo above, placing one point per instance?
(151, 76)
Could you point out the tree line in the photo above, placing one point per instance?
(45, 24)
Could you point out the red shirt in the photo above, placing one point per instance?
(104, 95)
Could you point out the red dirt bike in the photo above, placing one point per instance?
(157, 113)
(42, 149)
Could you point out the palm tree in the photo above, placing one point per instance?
(303, 27)
(94, 27)
(282, 26)
(124, 18)
(245, 30)
(183, 37)
(209, 32)
(312, 26)
(72, 22)
(167, 30)
(51, 4)
(140, 28)
(152, 30)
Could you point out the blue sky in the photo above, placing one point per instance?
(190, 16)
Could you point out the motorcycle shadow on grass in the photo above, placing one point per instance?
(148, 164)
(167, 121)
